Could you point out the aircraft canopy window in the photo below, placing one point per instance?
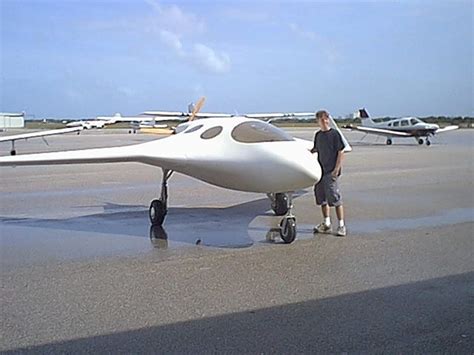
(180, 128)
(395, 124)
(194, 129)
(414, 121)
(211, 132)
(405, 123)
(257, 132)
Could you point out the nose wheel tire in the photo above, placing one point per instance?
(288, 229)
(157, 212)
(420, 141)
(428, 143)
(389, 141)
(280, 204)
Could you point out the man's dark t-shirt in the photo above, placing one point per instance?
(327, 144)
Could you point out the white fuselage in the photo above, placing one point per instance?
(277, 166)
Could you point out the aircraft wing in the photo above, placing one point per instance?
(177, 115)
(379, 131)
(139, 153)
(51, 132)
(280, 115)
(446, 129)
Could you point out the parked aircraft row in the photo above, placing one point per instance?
(244, 153)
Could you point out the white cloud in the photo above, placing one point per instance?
(172, 40)
(171, 18)
(309, 35)
(174, 26)
(209, 59)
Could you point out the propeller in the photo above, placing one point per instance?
(197, 108)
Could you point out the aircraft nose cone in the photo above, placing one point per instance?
(308, 165)
(304, 167)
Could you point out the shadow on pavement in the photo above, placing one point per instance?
(427, 316)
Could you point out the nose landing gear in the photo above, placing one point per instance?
(288, 223)
(279, 203)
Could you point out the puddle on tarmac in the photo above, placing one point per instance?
(459, 215)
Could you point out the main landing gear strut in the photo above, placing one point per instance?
(158, 208)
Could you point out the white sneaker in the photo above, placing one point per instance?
(322, 228)
(341, 231)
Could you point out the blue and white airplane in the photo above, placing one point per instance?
(403, 127)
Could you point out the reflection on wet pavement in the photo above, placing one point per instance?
(115, 232)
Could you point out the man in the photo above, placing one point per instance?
(330, 148)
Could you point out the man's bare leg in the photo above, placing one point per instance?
(339, 212)
(325, 211)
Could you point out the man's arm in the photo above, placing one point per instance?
(314, 149)
(337, 168)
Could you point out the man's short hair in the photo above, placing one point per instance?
(321, 113)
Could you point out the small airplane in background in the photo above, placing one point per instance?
(89, 124)
(240, 153)
(403, 127)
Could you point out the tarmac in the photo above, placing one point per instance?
(82, 271)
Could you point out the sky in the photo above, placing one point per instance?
(87, 58)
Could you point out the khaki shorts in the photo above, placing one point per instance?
(326, 191)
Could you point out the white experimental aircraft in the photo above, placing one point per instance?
(398, 127)
(236, 153)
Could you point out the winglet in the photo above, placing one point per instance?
(347, 146)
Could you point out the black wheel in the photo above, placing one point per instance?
(420, 141)
(288, 229)
(280, 205)
(13, 152)
(157, 212)
(428, 143)
(389, 141)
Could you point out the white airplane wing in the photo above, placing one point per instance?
(446, 129)
(51, 132)
(379, 131)
(347, 146)
(139, 153)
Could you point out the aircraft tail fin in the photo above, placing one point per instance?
(364, 117)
